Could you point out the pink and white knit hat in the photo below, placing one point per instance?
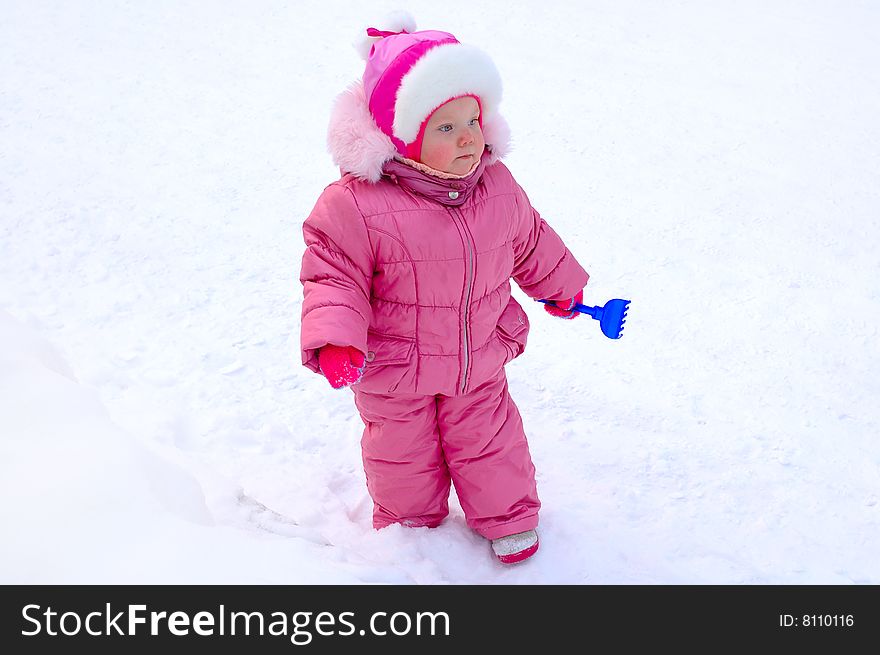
(409, 74)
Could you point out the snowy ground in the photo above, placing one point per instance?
(718, 163)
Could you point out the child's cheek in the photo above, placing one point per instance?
(435, 154)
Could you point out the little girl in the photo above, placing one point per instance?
(406, 280)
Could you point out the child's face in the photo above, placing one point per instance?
(453, 140)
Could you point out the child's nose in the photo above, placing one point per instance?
(467, 137)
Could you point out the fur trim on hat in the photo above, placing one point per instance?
(445, 72)
(496, 134)
(354, 140)
(359, 147)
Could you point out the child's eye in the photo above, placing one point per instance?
(475, 121)
(445, 128)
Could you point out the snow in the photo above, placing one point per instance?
(717, 163)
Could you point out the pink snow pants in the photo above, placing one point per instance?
(413, 446)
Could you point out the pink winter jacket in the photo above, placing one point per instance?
(414, 271)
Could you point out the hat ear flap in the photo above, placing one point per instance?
(357, 145)
(496, 133)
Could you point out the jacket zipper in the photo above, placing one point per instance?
(467, 301)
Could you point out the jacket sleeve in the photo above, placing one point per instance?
(543, 267)
(336, 273)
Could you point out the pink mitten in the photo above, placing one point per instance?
(564, 307)
(341, 365)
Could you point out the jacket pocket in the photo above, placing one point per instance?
(385, 349)
(513, 329)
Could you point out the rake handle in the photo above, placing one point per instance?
(595, 312)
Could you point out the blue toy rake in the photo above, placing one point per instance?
(611, 316)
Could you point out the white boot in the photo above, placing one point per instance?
(515, 547)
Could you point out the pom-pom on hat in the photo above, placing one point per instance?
(409, 74)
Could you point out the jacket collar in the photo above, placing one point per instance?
(451, 192)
